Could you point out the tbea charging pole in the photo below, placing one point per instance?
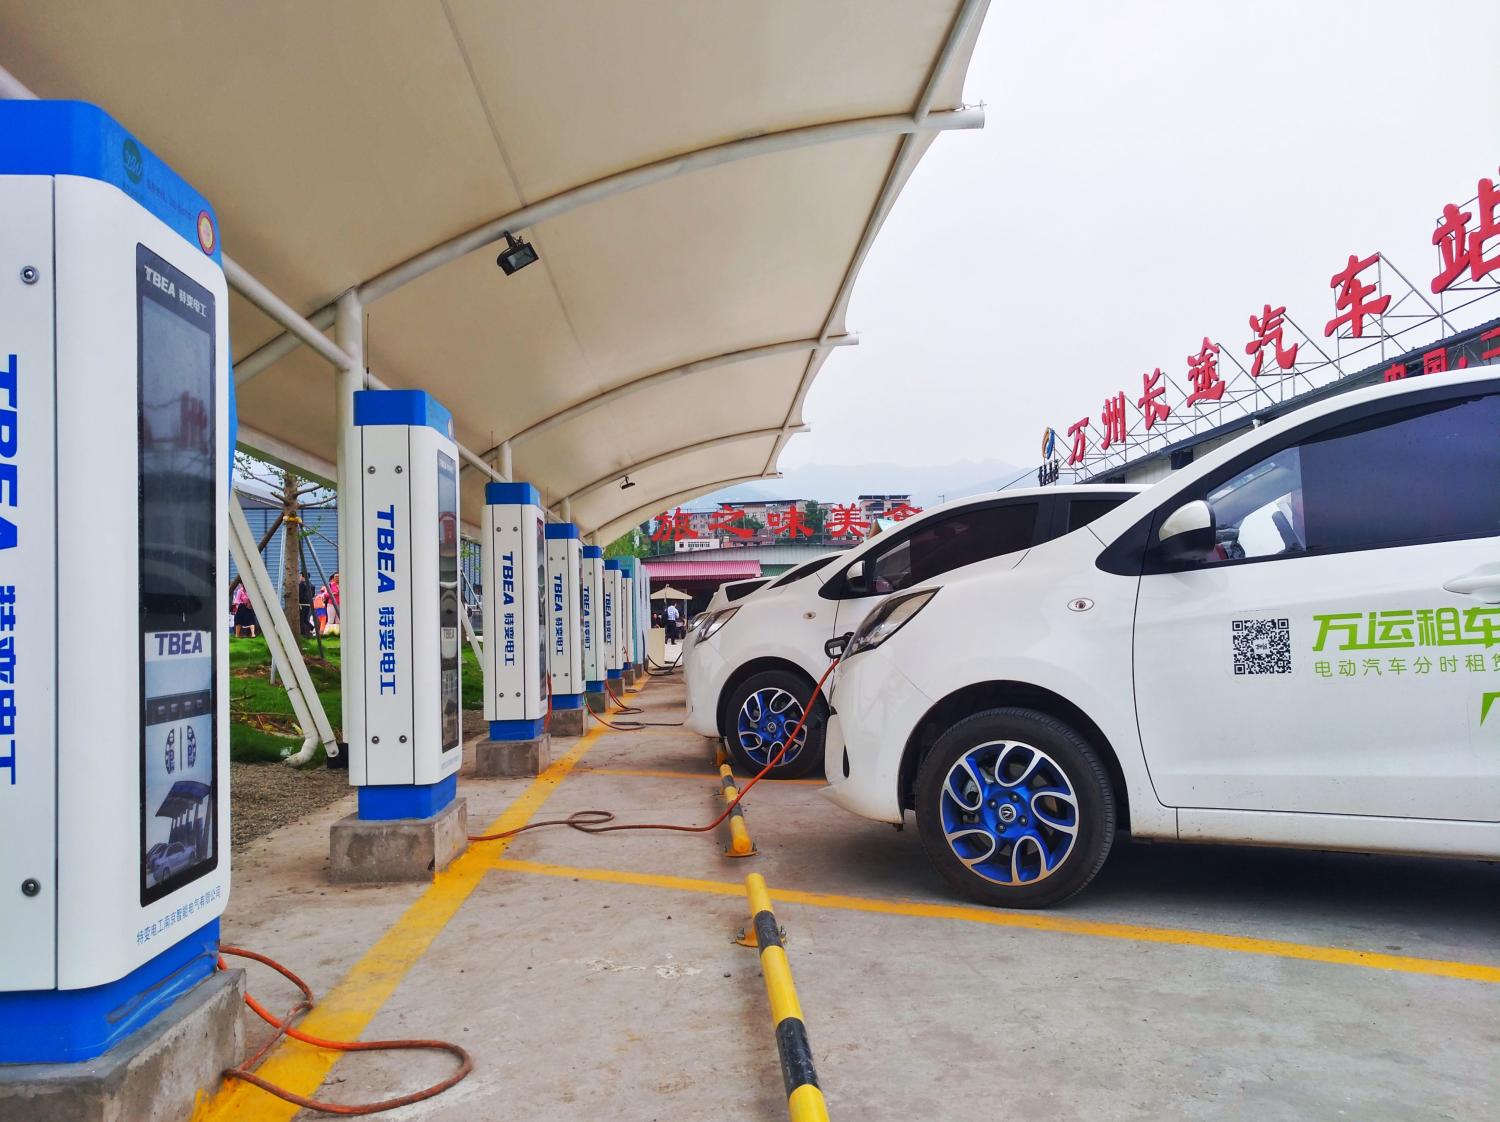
(404, 716)
(516, 683)
(591, 627)
(114, 716)
(629, 657)
(564, 629)
(614, 646)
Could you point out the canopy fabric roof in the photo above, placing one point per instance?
(702, 181)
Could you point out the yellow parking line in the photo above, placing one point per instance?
(344, 1012)
(1034, 921)
(657, 773)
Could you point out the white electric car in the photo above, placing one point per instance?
(1294, 641)
(733, 591)
(751, 667)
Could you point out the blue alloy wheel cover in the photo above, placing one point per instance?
(1009, 813)
(764, 719)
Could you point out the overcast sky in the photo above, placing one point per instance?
(1150, 173)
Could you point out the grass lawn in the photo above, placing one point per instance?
(262, 725)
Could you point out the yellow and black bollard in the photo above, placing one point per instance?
(740, 844)
(804, 1099)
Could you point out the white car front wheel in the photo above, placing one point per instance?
(1015, 809)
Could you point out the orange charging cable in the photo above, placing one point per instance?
(283, 1026)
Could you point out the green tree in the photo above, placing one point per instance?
(815, 514)
(293, 494)
(632, 543)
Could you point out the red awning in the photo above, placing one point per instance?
(701, 570)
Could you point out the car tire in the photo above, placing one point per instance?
(763, 705)
(1015, 809)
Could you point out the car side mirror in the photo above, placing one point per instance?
(836, 646)
(1189, 533)
(854, 579)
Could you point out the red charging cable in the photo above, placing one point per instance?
(602, 821)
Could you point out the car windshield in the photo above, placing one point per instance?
(802, 570)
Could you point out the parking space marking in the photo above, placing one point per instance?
(345, 1011)
(656, 773)
(1033, 921)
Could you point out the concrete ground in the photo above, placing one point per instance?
(593, 977)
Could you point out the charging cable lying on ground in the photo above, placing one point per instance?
(631, 726)
(587, 821)
(283, 1027)
(602, 821)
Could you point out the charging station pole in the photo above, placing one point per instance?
(610, 596)
(629, 656)
(403, 717)
(591, 617)
(516, 680)
(564, 653)
(114, 708)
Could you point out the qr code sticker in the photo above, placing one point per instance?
(1262, 646)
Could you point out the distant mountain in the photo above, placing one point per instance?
(842, 483)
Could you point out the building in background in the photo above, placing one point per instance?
(701, 574)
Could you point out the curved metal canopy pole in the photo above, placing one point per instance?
(663, 457)
(681, 496)
(383, 284)
(662, 377)
(906, 158)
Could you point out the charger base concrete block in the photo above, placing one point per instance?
(513, 759)
(398, 849)
(157, 1074)
(596, 701)
(568, 722)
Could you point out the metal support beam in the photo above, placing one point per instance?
(661, 378)
(283, 313)
(349, 333)
(657, 504)
(474, 461)
(967, 19)
(659, 171)
(12, 88)
(685, 450)
(713, 156)
(278, 348)
(906, 158)
(286, 655)
(277, 451)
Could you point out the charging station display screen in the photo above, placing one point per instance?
(179, 608)
(447, 476)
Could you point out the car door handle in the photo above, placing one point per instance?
(1482, 583)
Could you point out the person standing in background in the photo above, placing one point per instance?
(335, 605)
(305, 605)
(244, 614)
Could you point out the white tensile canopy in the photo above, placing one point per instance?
(701, 179)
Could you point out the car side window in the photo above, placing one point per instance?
(1423, 474)
(1083, 511)
(943, 544)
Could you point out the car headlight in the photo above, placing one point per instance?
(716, 621)
(886, 620)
